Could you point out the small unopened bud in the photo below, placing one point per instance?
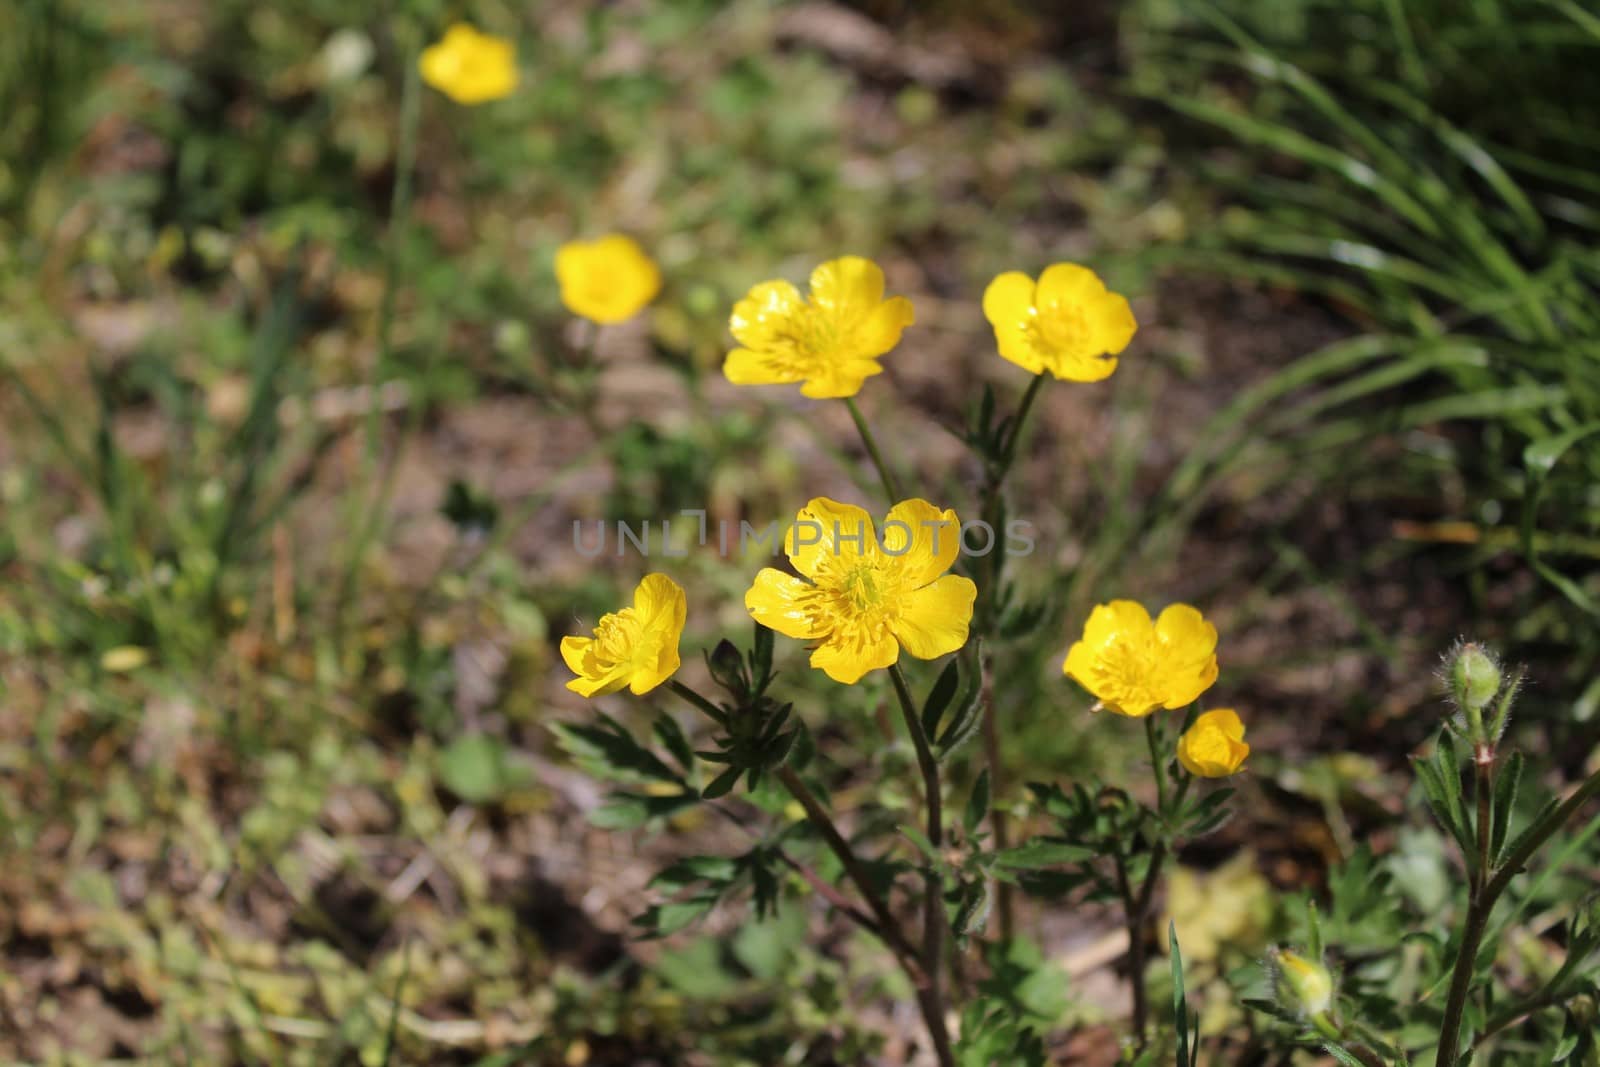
(727, 666)
(1474, 677)
(1302, 985)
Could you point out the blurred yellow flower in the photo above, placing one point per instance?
(470, 67)
(868, 596)
(1230, 907)
(1067, 323)
(607, 280)
(124, 658)
(636, 647)
(1134, 666)
(1214, 746)
(830, 340)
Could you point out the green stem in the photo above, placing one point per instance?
(1157, 765)
(889, 487)
(1009, 453)
(933, 918)
(1483, 902)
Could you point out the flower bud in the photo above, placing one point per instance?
(727, 666)
(1474, 677)
(1302, 985)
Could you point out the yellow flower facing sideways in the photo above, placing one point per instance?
(1066, 323)
(470, 67)
(867, 598)
(1134, 666)
(829, 340)
(607, 280)
(636, 647)
(1214, 746)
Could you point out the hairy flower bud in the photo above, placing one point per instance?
(1302, 985)
(1474, 677)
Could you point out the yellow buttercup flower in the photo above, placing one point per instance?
(470, 67)
(606, 280)
(830, 340)
(1214, 746)
(1067, 323)
(636, 647)
(868, 597)
(1134, 666)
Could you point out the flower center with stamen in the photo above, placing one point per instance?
(616, 637)
(1060, 327)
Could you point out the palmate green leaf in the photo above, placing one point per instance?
(607, 751)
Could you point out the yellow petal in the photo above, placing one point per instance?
(1008, 301)
(848, 283)
(933, 621)
(1187, 645)
(912, 531)
(573, 650)
(827, 535)
(1068, 284)
(1079, 663)
(1111, 324)
(745, 367)
(845, 658)
(1078, 367)
(1117, 620)
(656, 664)
(766, 315)
(660, 602)
(610, 682)
(881, 329)
(1225, 719)
(831, 381)
(784, 603)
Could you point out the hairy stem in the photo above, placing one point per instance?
(933, 917)
(890, 489)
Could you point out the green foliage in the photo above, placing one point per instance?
(1384, 166)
